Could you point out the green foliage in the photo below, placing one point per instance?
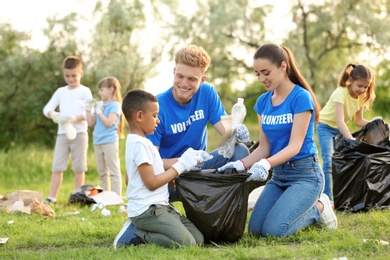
(325, 37)
(116, 47)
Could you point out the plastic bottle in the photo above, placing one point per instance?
(238, 115)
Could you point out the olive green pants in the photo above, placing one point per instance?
(165, 226)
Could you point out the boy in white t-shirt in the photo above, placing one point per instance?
(151, 218)
(72, 136)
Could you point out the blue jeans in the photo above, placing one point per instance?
(326, 135)
(287, 202)
(240, 151)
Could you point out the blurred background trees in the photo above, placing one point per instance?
(324, 35)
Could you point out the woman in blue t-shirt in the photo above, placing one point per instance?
(293, 197)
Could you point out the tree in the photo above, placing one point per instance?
(229, 30)
(331, 34)
(29, 78)
(116, 50)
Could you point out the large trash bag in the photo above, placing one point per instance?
(361, 169)
(217, 203)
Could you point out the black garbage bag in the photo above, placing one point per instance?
(217, 203)
(361, 169)
(83, 195)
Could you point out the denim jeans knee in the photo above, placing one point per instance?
(287, 203)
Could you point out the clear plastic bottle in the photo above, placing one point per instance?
(238, 115)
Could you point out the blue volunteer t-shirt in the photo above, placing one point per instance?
(277, 121)
(185, 126)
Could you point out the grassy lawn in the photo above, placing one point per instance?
(89, 235)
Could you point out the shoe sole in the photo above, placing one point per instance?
(123, 230)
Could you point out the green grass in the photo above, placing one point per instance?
(89, 235)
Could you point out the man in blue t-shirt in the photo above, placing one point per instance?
(185, 110)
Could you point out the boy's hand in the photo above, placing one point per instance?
(56, 117)
(188, 160)
(68, 119)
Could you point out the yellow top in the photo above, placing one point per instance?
(342, 96)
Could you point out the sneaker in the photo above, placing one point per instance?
(49, 201)
(127, 236)
(328, 218)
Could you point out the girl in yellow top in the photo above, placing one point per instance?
(354, 94)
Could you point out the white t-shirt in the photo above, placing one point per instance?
(140, 150)
(70, 103)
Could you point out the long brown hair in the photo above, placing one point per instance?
(276, 54)
(353, 72)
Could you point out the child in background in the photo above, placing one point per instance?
(354, 94)
(155, 220)
(108, 128)
(70, 118)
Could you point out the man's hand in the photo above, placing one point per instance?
(99, 107)
(243, 135)
(259, 171)
(205, 157)
(238, 165)
(188, 160)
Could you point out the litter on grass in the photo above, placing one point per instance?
(3, 240)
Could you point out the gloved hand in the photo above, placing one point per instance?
(243, 135)
(205, 157)
(89, 104)
(259, 171)
(68, 119)
(188, 160)
(56, 117)
(99, 107)
(238, 165)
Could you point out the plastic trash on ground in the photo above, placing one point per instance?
(217, 203)
(361, 169)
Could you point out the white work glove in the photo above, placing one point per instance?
(89, 104)
(243, 135)
(259, 171)
(56, 117)
(99, 107)
(68, 119)
(238, 165)
(188, 160)
(205, 157)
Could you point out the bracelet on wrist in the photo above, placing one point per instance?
(243, 164)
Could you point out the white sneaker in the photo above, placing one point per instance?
(328, 218)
